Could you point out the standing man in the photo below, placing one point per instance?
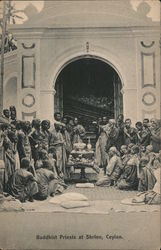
(120, 126)
(57, 117)
(156, 135)
(113, 135)
(57, 142)
(23, 144)
(146, 133)
(36, 139)
(101, 155)
(130, 135)
(6, 114)
(139, 131)
(45, 125)
(13, 113)
(67, 141)
(78, 132)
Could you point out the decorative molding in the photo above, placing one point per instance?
(87, 47)
(28, 116)
(97, 32)
(146, 96)
(30, 102)
(28, 62)
(148, 84)
(28, 47)
(147, 45)
(48, 91)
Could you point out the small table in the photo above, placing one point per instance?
(82, 160)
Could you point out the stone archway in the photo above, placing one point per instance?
(115, 82)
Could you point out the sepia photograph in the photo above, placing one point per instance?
(80, 125)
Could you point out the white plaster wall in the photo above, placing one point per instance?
(120, 53)
(113, 30)
(153, 110)
(23, 92)
(55, 49)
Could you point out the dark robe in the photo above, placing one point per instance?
(45, 138)
(101, 155)
(129, 177)
(125, 159)
(130, 136)
(36, 142)
(156, 139)
(47, 184)
(57, 141)
(120, 137)
(145, 137)
(78, 134)
(112, 139)
(114, 169)
(23, 146)
(67, 142)
(9, 168)
(23, 185)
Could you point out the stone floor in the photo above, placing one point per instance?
(101, 193)
(105, 216)
(93, 194)
(98, 193)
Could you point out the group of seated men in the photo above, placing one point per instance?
(35, 154)
(129, 156)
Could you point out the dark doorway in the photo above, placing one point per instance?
(88, 88)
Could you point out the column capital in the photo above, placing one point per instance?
(48, 91)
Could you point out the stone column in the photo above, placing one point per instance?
(28, 78)
(47, 104)
(130, 104)
(148, 70)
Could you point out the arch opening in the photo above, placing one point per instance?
(88, 88)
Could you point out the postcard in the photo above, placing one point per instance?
(80, 124)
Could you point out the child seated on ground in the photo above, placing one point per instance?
(23, 184)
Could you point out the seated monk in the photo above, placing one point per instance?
(47, 183)
(157, 160)
(151, 197)
(42, 155)
(23, 184)
(154, 197)
(125, 156)
(147, 179)
(129, 177)
(114, 169)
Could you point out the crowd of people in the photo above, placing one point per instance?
(34, 155)
(130, 156)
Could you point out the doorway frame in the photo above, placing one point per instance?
(90, 56)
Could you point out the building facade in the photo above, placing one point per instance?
(67, 31)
